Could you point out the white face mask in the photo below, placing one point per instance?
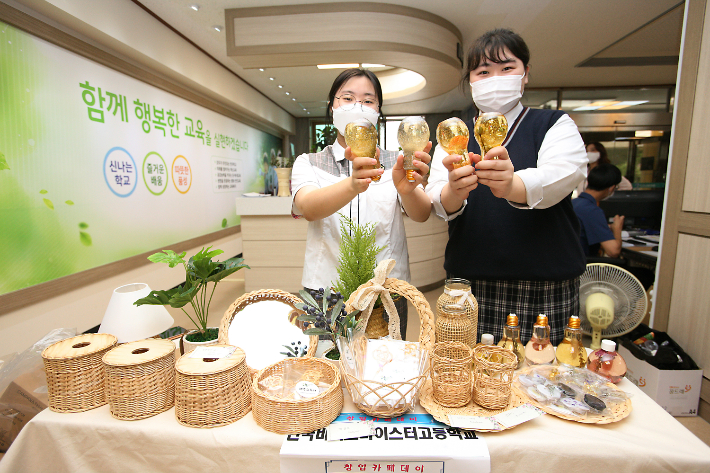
(341, 117)
(497, 93)
(593, 156)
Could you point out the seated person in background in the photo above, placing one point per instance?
(597, 154)
(596, 233)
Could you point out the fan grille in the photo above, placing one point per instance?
(630, 301)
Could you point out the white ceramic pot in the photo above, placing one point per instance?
(189, 346)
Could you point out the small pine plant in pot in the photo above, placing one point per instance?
(356, 266)
(200, 271)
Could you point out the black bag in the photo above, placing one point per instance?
(670, 356)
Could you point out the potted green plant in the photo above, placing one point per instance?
(324, 136)
(356, 265)
(200, 271)
(324, 314)
(283, 167)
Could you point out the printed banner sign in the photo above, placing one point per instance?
(96, 166)
(391, 446)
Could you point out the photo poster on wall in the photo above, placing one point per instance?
(96, 166)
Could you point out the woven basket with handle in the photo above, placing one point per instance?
(393, 399)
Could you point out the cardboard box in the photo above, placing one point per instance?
(676, 391)
(23, 399)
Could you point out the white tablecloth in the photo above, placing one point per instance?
(648, 441)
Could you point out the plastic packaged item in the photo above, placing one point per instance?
(572, 392)
(539, 350)
(23, 386)
(571, 351)
(511, 339)
(607, 362)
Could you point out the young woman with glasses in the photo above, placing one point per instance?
(333, 182)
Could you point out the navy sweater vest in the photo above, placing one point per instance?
(493, 240)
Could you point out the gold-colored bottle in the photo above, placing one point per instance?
(571, 351)
(511, 339)
(490, 131)
(452, 135)
(361, 136)
(413, 136)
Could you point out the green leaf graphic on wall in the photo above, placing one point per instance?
(69, 128)
(3, 163)
(31, 234)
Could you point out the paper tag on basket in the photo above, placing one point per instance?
(348, 356)
(348, 430)
(518, 415)
(472, 422)
(211, 352)
(307, 389)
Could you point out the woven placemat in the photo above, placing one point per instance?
(441, 413)
(618, 412)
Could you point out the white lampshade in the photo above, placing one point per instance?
(130, 322)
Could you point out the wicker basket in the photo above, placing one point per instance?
(212, 392)
(75, 374)
(288, 416)
(451, 375)
(458, 291)
(493, 369)
(140, 378)
(257, 296)
(391, 400)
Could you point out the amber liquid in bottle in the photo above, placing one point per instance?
(571, 351)
(539, 350)
(511, 339)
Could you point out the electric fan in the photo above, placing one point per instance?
(612, 302)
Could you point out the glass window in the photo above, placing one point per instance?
(615, 100)
(540, 99)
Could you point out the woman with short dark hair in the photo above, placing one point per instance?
(512, 230)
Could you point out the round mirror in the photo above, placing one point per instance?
(263, 324)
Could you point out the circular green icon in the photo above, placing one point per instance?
(155, 173)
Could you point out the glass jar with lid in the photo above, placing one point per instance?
(458, 291)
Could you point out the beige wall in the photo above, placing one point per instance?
(682, 300)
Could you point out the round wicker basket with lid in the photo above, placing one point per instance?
(211, 392)
(75, 374)
(140, 378)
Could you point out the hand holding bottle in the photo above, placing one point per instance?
(496, 171)
(362, 173)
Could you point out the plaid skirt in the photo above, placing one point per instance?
(527, 299)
